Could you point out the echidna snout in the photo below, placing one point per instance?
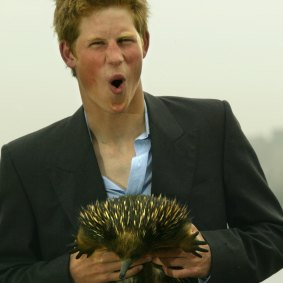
(124, 268)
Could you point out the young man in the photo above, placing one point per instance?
(124, 141)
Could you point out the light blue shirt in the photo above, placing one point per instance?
(141, 168)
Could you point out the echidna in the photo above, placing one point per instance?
(137, 225)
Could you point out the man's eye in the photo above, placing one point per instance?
(125, 40)
(96, 43)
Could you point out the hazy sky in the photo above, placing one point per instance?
(222, 49)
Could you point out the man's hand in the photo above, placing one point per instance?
(101, 267)
(179, 264)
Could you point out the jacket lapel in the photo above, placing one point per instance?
(75, 173)
(173, 152)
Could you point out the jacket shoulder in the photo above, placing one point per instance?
(197, 104)
(193, 110)
(45, 140)
(40, 136)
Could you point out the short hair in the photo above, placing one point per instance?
(68, 15)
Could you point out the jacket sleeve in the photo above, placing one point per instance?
(251, 249)
(20, 256)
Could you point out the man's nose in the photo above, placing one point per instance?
(114, 54)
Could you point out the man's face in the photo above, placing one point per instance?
(107, 57)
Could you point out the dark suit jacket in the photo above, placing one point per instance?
(200, 156)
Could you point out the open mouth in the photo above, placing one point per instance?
(117, 83)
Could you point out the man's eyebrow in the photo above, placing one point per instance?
(127, 34)
(92, 38)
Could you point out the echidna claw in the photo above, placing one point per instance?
(74, 250)
(79, 254)
(196, 245)
(201, 249)
(197, 254)
(195, 234)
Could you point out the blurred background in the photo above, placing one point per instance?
(229, 50)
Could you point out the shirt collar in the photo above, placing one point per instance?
(146, 133)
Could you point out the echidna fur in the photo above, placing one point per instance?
(134, 226)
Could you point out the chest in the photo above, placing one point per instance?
(115, 161)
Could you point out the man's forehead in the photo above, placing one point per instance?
(107, 22)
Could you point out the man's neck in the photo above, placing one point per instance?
(109, 128)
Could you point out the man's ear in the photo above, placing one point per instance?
(67, 54)
(146, 39)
